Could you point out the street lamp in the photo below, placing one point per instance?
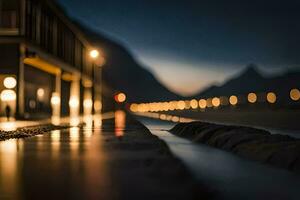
(98, 61)
(94, 53)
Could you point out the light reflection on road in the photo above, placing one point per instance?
(63, 164)
(120, 123)
(10, 152)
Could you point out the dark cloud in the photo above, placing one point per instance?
(211, 31)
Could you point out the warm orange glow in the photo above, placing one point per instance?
(271, 97)
(73, 102)
(88, 103)
(165, 106)
(252, 97)
(120, 123)
(209, 103)
(8, 126)
(202, 103)
(187, 105)
(216, 102)
(10, 82)
(295, 94)
(134, 107)
(98, 105)
(100, 61)
(172, 105)
(55, 99)
(175, 119)
(180, 105)
(233, 100)
(143, 107)
(194, 103)
(94, 53)
(120, 98)
(68, 77)
(8, 95)
(40, 93)
(163, 117)
(42, 65)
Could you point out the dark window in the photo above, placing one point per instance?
(9, 14)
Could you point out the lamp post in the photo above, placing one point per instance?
(98, 62)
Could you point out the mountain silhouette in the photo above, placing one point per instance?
(122, 72)
(252, 80)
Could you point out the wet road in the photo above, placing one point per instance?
(54, 166)
(116, 159)
(231, 176)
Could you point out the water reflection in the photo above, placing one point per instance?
(57, 163)
(8, 126)
(74, 140)
(74, 120)
(9, 166)
(55, 142)
(98, 121)
(55, 120)
(88, 120)
(120, 123)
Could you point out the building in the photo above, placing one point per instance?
(47, 64)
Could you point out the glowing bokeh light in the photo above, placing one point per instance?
(134, 107)
(194, 104)
(120, 98)
(180, 105)
(295, 94)
(55, 99)
(88, 103)
(252, 97)
(74, 102)
(271, 97)
(10, 82)
(94, 53)
(216, 102)
(233, 100)
(209, 103)
(40, 93)
(8, 95)
(98, 105)
(202, 103)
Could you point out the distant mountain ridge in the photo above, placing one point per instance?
(122, 72)
(252, 80)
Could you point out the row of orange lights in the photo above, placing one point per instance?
(233, 100)
(165, 117)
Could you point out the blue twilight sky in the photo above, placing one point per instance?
(189, 44)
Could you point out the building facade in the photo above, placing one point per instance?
(45, 66)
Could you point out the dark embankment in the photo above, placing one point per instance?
(145, 168)
(255, 144)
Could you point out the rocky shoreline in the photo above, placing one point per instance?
(278, 150)
(29, 131)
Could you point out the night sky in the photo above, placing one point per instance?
(189, 44)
